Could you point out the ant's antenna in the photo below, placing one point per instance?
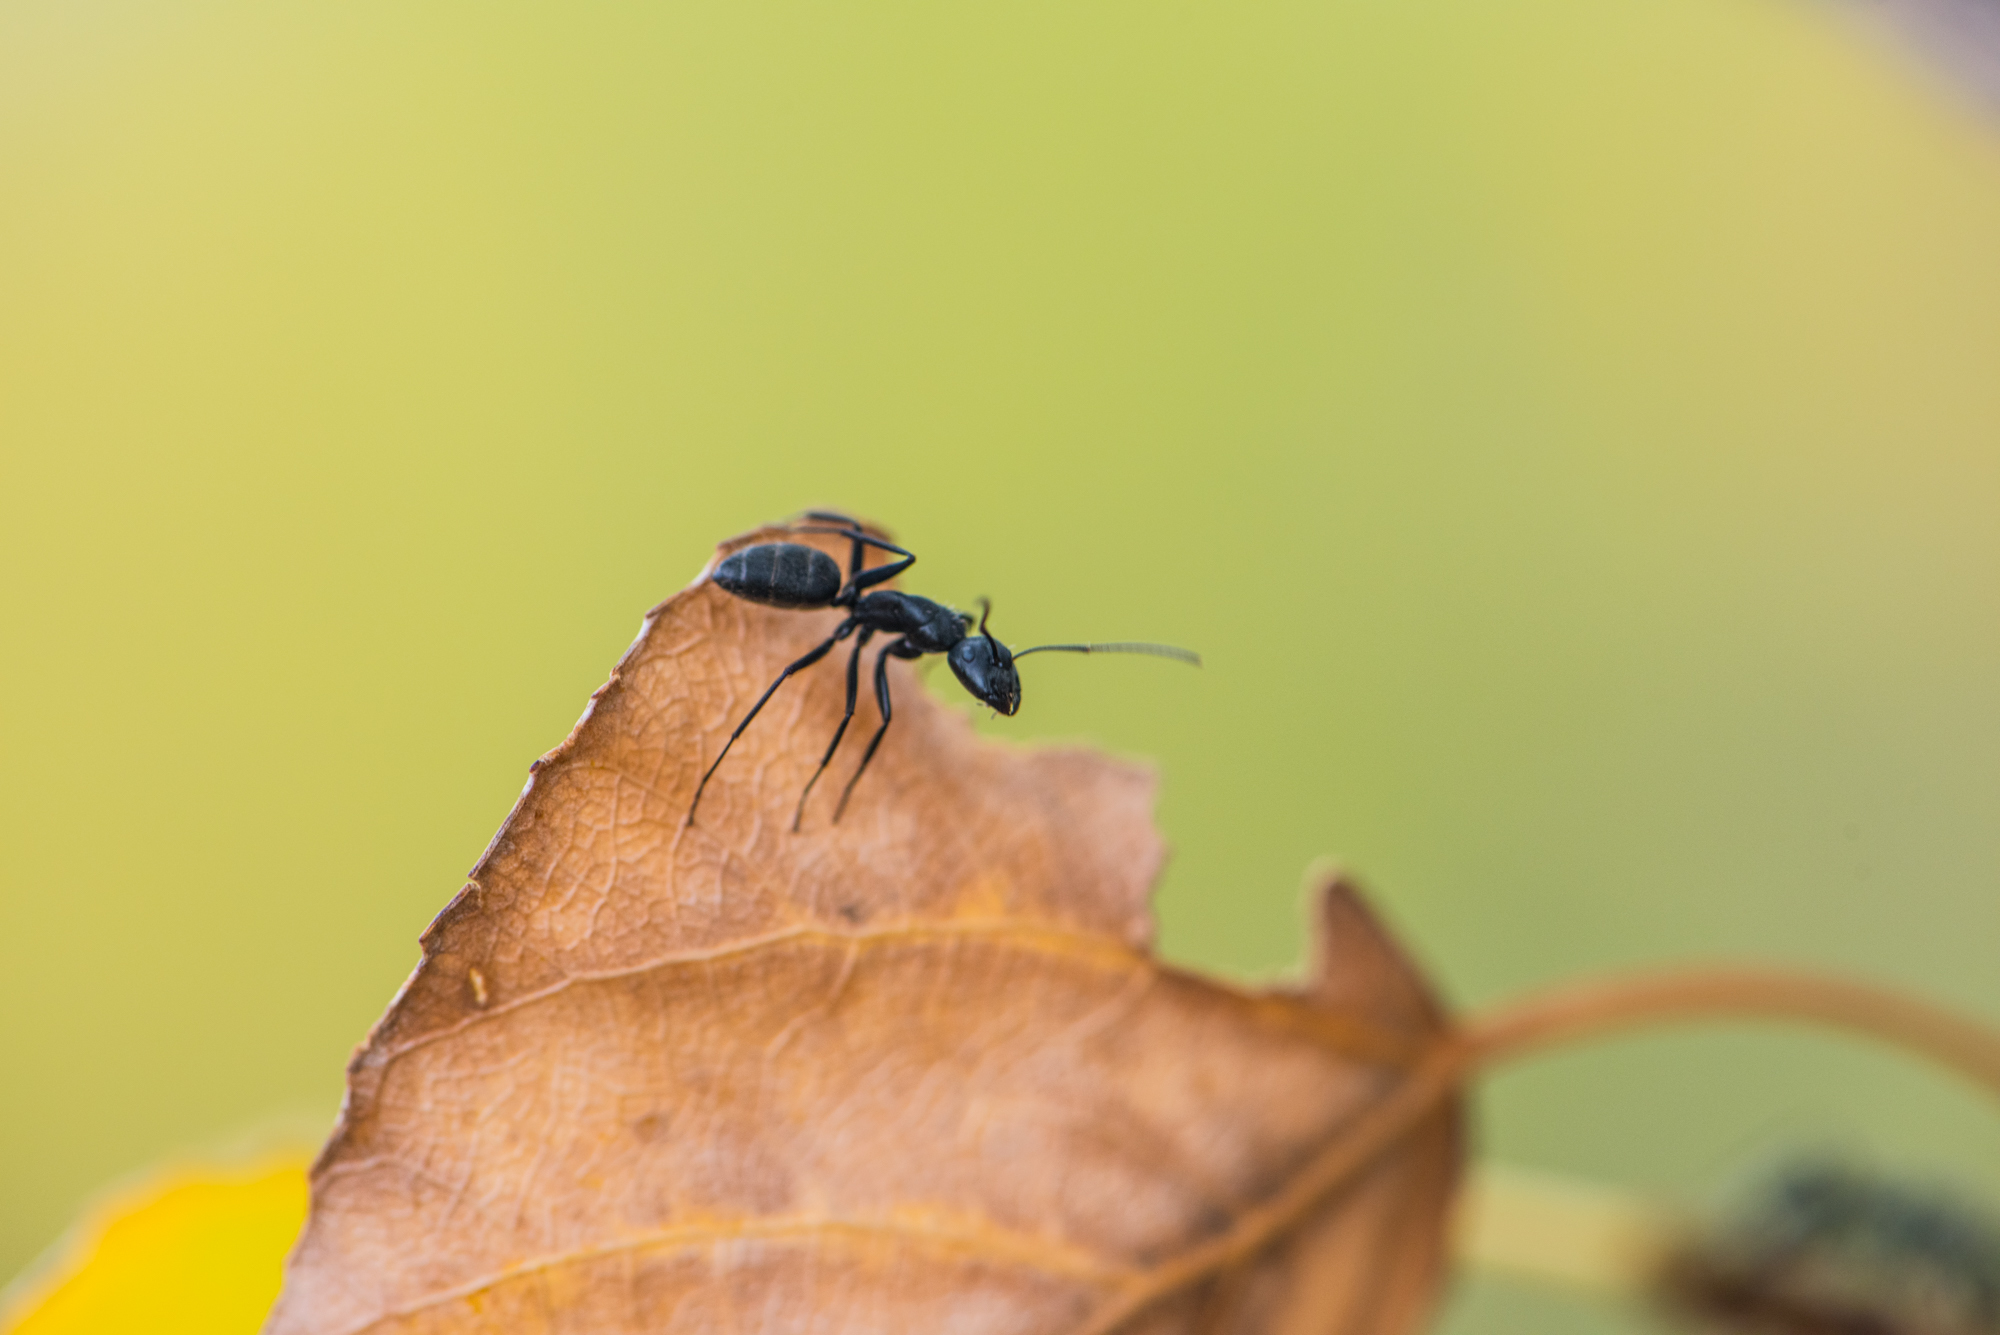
(1123, 647)
(1157, 650)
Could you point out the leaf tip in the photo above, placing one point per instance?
(1357, 966)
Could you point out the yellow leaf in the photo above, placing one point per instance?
(195, 1249)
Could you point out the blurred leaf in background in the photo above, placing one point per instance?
(198, 1248)
(1568, 430)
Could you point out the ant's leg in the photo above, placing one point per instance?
(858, 558)
(868, 579)
(858, 578)
(846, 524)
(853, 688)
(846, 629)
(896, 649)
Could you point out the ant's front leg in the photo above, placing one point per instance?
(895, 649)
(853, 689)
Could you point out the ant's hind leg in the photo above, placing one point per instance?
(847, 628)
(859, 578)
(896, 649)
(853, 689)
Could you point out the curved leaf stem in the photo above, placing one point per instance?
(1576, 1012)
(1606, 1006)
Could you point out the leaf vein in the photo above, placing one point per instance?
(980, 1240)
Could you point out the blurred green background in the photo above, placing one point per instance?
(1571, 430)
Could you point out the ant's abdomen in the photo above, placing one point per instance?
(781, 574)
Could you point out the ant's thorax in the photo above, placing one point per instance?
(928, 626)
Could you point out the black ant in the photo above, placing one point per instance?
(795, 576)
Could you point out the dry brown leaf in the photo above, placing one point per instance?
(915, 1072)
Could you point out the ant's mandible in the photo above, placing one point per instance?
(795, 576)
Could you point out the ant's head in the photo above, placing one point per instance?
(985, 668)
